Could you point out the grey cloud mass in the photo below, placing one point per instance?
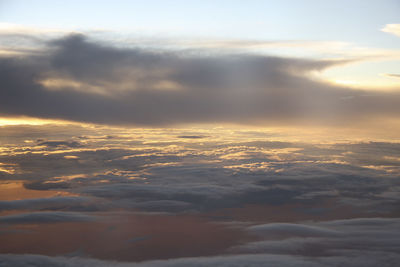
(46, 217)
(41, 203)
(291, 229)
(78, 79)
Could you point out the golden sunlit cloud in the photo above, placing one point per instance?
(6, 121)
(376, 84)
(12, 28)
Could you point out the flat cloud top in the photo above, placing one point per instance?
(142, 187)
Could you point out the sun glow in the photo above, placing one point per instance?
(8, 121)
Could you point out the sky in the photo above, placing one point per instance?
(360, 21)
(309, 28)
(199, 133)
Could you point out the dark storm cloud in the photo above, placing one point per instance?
(142, 86)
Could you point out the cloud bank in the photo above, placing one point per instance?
(78, 79)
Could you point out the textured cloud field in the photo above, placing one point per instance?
(87, 195)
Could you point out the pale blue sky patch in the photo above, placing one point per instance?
(351, 21)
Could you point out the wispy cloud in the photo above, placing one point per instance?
(392, 29)
(392, 75)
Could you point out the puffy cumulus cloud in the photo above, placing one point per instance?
(82, 80)
(392, 29)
